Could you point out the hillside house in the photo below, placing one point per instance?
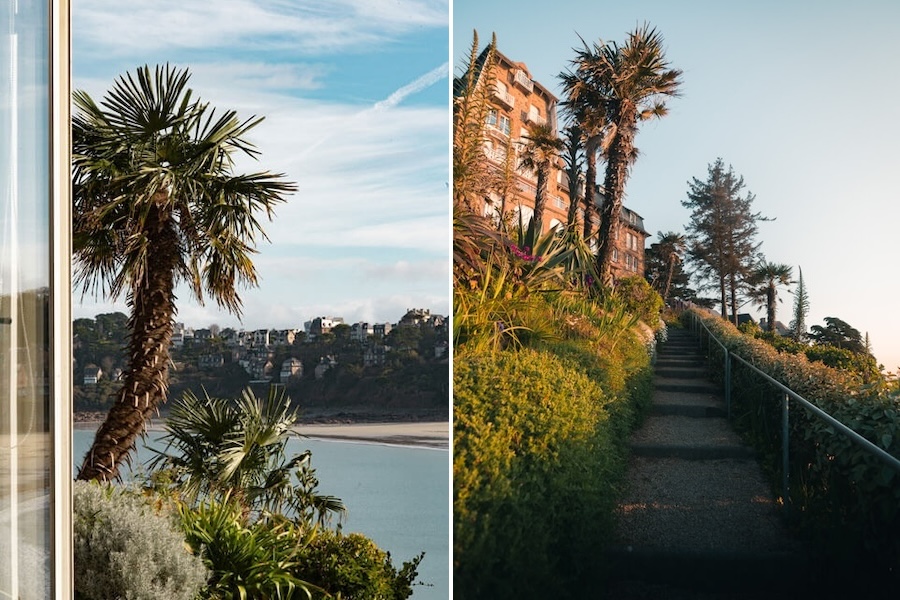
(360, 332)
(325, 363)
(291, 368)
(92, 374)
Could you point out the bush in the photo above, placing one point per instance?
(354, 568)
(246, 560)
(845, 499)
(535, 465)
(640, 299)
(126, 550)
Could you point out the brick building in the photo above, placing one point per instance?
(517, 101)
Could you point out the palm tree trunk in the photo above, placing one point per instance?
(770, 305)
(669, 278)
(590, 183)
(540, 197)
(618, 159)
(145, 382)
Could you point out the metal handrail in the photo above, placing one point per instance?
(787, 395)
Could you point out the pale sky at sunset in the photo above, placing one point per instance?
(796, 95)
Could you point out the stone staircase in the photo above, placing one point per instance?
(697, 518)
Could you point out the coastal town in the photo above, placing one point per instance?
(327, 361)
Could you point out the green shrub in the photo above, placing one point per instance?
(842, 497)
(246, 560)
(126, 550)
(535, 466)
(354, 568)
(640, 299)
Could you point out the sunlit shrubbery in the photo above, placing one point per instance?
(537, 455)
(840, 494)
(551, 373)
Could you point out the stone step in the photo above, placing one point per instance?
(692, 453)
(711, 399)
(679, 347)
(695, 411)
(680, 372)
(697, 385)
(676, 430)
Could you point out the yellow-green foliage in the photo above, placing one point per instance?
(539, 450)
(640, 299)
(839, 493)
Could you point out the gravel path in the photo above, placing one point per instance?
(697, 518)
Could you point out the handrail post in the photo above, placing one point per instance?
(727, 384)
(785, 450)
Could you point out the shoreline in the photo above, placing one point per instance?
(433, 434)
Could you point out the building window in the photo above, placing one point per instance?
(504, 124)
(492, 117)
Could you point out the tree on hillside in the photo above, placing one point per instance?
(838, 333)
(156, 203)
(722, 234)
(663, 262)
(540, 152)
(801, 309)
(614, 88)
(766, 278)
(473, 178)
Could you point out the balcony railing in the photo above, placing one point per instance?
(533, 117)
(523, 80)
(505, 98)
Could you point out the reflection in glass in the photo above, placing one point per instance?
(25, 442)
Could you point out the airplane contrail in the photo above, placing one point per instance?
(423, 82)
(419, 84)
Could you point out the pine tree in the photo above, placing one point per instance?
(722, 234)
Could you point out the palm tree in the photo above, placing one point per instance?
(671, 246)
(219, 448)
(157, 204)
(769, 276)
(618, 87)
(541, 151)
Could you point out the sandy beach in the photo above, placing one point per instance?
(430, 434)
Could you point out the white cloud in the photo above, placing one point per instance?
(372, 181)
(309, 26)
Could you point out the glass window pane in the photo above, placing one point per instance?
(25, 442)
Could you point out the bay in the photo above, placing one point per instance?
(396, 495)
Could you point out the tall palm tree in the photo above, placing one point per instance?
(672, 247)
(541, 150)
(769, 276)
(619, 87)
(157, 204)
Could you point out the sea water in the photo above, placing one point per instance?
(398, 496)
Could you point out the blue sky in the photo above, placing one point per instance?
(796, 95)
(355, 96)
